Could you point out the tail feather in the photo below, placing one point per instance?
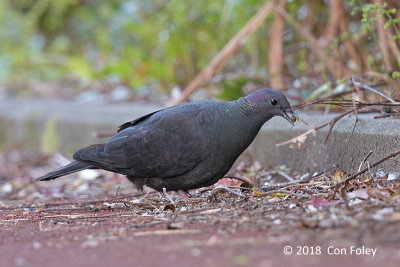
(74, 166)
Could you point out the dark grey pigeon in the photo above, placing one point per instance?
(183, 147)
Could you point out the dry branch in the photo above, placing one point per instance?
(366, 87)
(331, 123)
(376, 163)
(219, 61)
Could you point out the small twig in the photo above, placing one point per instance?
(366, 87)
(135, 201)
(320, 101)
(298, 203)
(295, 139)
(354, 104)
(221, 188)
(286, 176)
(300, 182)
(333, 122)
(349, 103)
(392, 155)
(384, 115)
(302, 189)
(365, 158)
(116, 193)
(369, 170)
(240, 188)
(332, 196)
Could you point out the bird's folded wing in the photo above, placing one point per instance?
(166, 147)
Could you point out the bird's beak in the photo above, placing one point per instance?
(290, 116)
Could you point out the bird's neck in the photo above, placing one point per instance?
(249, 110)
(245, 107)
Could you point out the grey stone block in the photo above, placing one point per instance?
(347, 144)
(48, 126)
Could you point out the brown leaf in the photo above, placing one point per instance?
(175, 225)
(338, 176)
(169, 207)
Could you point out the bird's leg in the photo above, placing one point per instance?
(166, 196)
(188, 193)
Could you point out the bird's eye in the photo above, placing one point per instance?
(274, 101)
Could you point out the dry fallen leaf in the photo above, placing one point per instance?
(360, 193)
(169, 207)
(338, 176)
(322, 202)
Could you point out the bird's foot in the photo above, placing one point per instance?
(165, 195)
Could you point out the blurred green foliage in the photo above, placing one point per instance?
(133, 42)
(154, 43)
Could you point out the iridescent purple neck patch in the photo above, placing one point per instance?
(257, 96)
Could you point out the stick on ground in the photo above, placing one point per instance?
(392, 155)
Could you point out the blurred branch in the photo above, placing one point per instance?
(331, 33)
(392, 44)
(350, 47)
(275, 55)
(236, 75)
(382, 39)
(331, 28)
(366, 87)
(311, 40)
(219, 61)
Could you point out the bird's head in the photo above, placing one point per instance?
(272, 103)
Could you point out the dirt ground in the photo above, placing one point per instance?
(108, 236)
(98, 219)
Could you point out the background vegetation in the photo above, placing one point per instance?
(161, 44)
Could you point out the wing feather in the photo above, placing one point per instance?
(163, 144)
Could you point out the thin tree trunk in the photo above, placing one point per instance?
(383, 46)
(331, 28)
(350, 47)
(392, 44)
(275, 55)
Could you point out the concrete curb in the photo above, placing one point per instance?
(67, 126)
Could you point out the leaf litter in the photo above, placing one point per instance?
(280, 201)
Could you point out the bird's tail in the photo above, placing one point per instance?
(74, 166)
